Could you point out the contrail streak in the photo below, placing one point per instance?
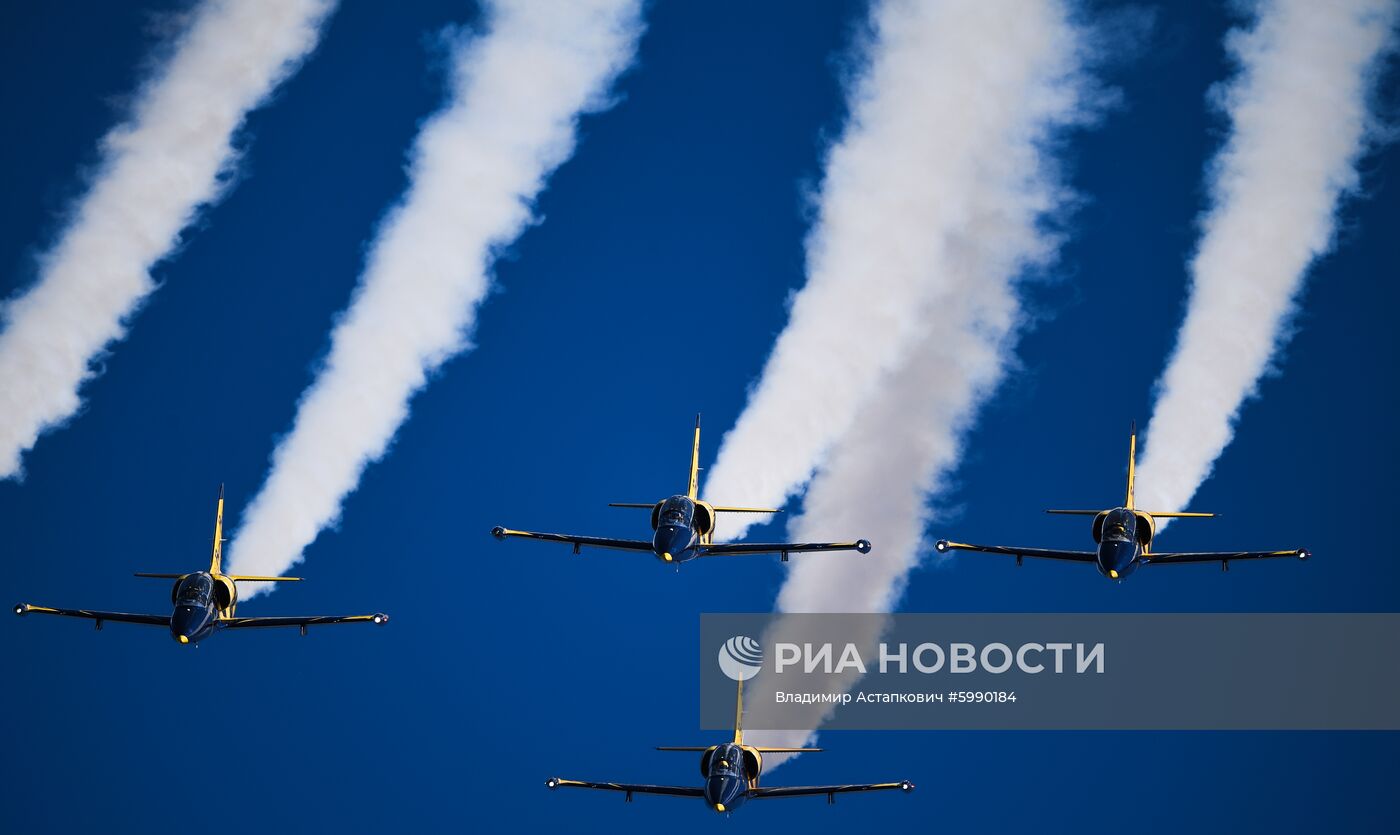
(1019, 76)
(1300, 122)
(943, 88)
(172, 157)
(477, 166)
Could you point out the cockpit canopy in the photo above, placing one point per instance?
(731, 760)
(1119, 526)
(677, 510)
(726, 760)
(194, 590)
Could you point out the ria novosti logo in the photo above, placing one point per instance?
(741, 657)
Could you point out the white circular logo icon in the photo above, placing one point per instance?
(741, 657)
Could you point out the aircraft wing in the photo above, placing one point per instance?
(91, 614)
(1222, 556)
(577, 541)
(734, 548)
(802, 791)
(314, 620)
(673, 791)
(943, 546)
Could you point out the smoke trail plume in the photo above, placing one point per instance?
(943, 88)
(477, 166)
(1013, 76)
(1299, 117)
(172, 157)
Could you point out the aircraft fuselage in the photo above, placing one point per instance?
(726, 783)
(196, 614)
(1123, 537)
(677, 537)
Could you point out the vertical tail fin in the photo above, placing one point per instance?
(217, 559)
(739, 716)
(694, 490)
(1132, 464)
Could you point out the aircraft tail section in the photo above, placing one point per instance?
(739, 716)
(739, 735)
(694, 490)
(1130, 499)
(216, 560)
(1132, 476)
(1132, 466)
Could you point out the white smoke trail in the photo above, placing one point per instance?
(477, 166)
(172, 157)
(1300, 122)
(944, 86)
(1020, 69)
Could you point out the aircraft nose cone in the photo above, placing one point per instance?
(1117, 559)
(724, 793)
(186, 623)
(672, 543)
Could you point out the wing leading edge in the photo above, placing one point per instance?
(943, 546)
(22, 609)
(735, 548)
(576, 541)
(629, 788)
(378, 618)
(803, 791)
(1222, 556)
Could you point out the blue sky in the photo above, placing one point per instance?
(652, 289)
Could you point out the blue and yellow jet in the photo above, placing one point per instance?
(731, 772)
(1124, 538)
(204, 602)
(683, 528)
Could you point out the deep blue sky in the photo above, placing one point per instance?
(652, 290)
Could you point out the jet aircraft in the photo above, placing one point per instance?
(204, 602)
(683, 528)
(731, 771)
(1124, 538)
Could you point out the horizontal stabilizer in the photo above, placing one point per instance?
(248, 578)
(759, 748)
(718, 508)
(1151, 513)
